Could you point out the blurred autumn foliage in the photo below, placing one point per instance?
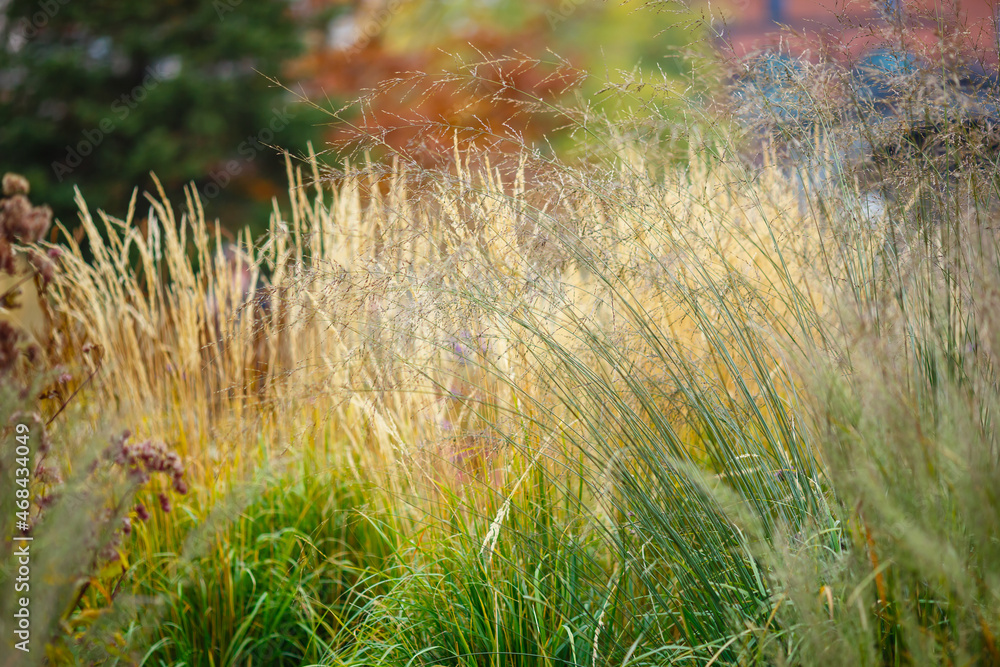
(493, 102)
(427, 74)
(98, 94)
(101, 94)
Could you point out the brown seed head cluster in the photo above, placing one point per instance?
(20, 223)
(141, 460)
(9, 339)
(14, 184)
(19, 220)
(43, 265)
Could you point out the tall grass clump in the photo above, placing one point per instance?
(728, 345)
(277, 582)
(465, 593)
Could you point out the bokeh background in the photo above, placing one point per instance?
(97, 94)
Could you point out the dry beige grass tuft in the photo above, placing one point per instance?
(405, 312)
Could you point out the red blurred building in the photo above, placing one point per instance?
(847, 29)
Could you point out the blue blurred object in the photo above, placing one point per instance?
(884, 104)
(872, 75)
(772, 88)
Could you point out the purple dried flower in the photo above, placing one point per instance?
(138, 475)
(141, 512)
(48, 474)
(141, 459)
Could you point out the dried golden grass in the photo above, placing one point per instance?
(391, 298)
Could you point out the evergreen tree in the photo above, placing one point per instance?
(98, 93)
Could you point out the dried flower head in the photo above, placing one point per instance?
(142, 459)
(13, 211)
(47, 474)
(37, 224)
(7, 264)
(10, 338)
(45, 267)
(46, 501)
(15, 184)
(18, 218)
(180, 486)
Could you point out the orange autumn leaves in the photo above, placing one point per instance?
(491, 89)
